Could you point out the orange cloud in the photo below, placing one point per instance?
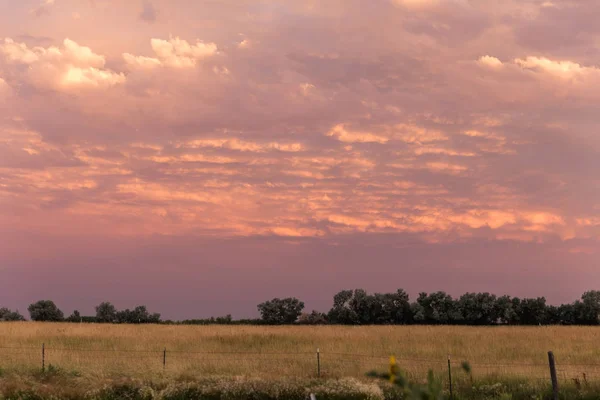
(343, 135)
(241, 145)
(174, 52)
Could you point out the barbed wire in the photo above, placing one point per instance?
(177, 354)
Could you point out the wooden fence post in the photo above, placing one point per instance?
(165, 358)
(43, 357)
(553, 375)
(450, 377)
(318, 363)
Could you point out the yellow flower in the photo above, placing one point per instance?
(393, 369)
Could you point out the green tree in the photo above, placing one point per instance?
(364, 306)
(314, 318)
(571, 314)
(590, 309)
(281, 311)
(342, 311)
(226, 320)
(391, 308)
(8, 315)
(75, 317)
(478, 308)
(139, 315)
(531, 311)
(417, 312)
(438, 308)
(106, 312)
(357, 307)
(45, 310)
(552, 316)
(505, 310)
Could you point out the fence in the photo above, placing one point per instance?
(307, 364)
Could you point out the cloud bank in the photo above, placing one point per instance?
(439, 123)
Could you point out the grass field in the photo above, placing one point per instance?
(96, 352)
(137, 350)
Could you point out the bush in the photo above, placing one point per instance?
(234, 389)
(8, 315)
(126, 390)
(45, 310)
(281, 311)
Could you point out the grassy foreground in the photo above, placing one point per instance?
(85, 358)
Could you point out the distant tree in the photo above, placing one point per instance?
(281, 311)
(342, 311)
(516, 307)
(125, 317)
(385, 308)
(531, 311)
(505, 310)
(8, 315)
(226, 320)
(106, 312)
(314, 318)
(74, 317)
(571, 314)
(478, 308)
(552, 316)
(439, 308)
(357, 307)
(364, 306)
(45, 310)
(590, 308)
(138, 315)
(417, 312)
(392, 308)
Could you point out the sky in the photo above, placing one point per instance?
(200, 157)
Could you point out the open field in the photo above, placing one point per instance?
(289, 351)
(81, 357)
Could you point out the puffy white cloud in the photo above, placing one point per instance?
(81, 55)
(60, 68)
(564, 69)
(490, 61)
(141, 61)
(174, 52)
(559, 68)
(179, 53)
(91, 77)
(19, 52)
(71, 53)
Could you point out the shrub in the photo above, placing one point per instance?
(126, 390)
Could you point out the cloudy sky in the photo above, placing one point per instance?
(202, 156)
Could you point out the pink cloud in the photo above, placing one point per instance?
(264, 122)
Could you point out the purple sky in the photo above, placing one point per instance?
(200, 157)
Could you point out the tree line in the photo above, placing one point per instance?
(357, 307)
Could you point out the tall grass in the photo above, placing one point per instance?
(96, 350)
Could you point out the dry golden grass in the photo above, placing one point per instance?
(136, 350)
